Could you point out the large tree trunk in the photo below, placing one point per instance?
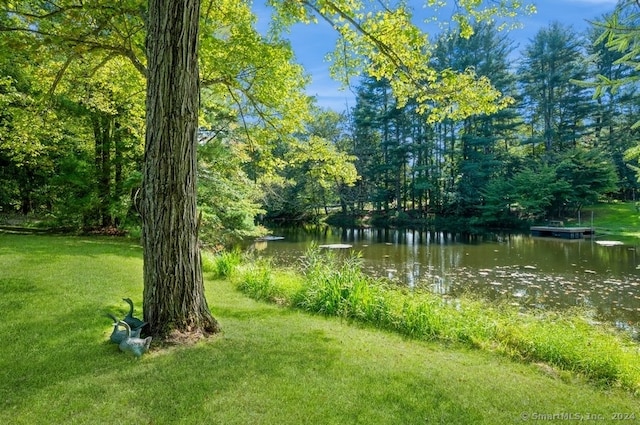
(173, 285)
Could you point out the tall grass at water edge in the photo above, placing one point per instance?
(221, 265)
(333, 286)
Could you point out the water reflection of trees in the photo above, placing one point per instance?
(534, 272)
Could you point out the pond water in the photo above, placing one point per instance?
(530, 271)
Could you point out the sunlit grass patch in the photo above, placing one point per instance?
(619, 218)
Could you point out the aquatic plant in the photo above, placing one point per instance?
(260, 280)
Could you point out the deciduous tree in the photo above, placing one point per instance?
(383, 41)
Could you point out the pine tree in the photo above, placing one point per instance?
(553, 105)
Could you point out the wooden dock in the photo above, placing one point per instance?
(562, 232)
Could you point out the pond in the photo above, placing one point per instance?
(531, 271)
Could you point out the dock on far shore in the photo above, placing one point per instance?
(556, 231)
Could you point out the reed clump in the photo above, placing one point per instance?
(222, 264)
(334, 285)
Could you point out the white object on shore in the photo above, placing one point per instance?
(609, 243)
(336, 246)
(270, 238)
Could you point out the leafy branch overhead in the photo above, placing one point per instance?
(239, 67)
(384, 41)
(99, 28)
(381, 39)
(620, 35)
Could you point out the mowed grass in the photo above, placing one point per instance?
(271, 365)
(615, 218)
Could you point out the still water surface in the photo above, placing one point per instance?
(530, 271)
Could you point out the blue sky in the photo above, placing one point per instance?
(312, 42)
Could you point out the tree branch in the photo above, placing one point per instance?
(386, 50)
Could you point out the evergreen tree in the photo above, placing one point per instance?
(554, 106)
(615, 109)
(479, 144)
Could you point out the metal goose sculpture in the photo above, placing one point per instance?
(133, 345)
(133, 322)
(117, 335)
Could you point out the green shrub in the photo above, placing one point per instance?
(222, 264)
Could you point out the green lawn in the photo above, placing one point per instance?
(271, 365)
(615, 218)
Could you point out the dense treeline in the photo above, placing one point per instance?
(72, 129)
(552, 150)
(72, 114)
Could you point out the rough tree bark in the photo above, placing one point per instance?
(174, 298)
